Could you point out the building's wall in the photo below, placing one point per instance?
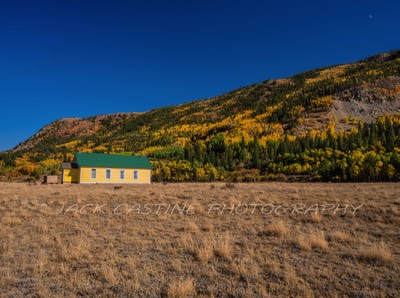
(85, 175)
(70, 176)
(51, 179)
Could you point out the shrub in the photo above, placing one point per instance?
(181, 288)
(376, 252)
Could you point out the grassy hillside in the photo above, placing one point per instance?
(337, 122)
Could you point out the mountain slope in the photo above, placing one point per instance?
(312, 104)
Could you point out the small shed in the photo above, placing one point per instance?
(50, 179)
(70, 172)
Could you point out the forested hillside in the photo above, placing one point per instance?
(329, 124)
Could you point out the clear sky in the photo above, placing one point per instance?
(81, 58)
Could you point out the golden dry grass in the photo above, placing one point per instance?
(339, 236)
(376, 252)
(114, 251)
(178, 289)
(317, 240)
(316, 217)
(277, 228)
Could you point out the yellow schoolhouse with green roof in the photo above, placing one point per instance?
(106, 168)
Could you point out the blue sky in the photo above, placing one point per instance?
(82, 58)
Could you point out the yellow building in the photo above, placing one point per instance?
(107, 168)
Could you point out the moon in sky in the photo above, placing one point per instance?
(370, 16)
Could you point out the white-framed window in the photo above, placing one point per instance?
(93, 174)
(108, 174)
(122, 174)
(135, 174)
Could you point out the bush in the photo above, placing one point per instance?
(34, 174)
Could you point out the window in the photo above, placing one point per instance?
(93, 174)
(108, 173)
(122, 174)
(135, 174)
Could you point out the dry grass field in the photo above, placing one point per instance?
(102, 240)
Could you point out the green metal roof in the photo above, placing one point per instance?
(112, 160)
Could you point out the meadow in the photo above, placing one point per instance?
(200, 240)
